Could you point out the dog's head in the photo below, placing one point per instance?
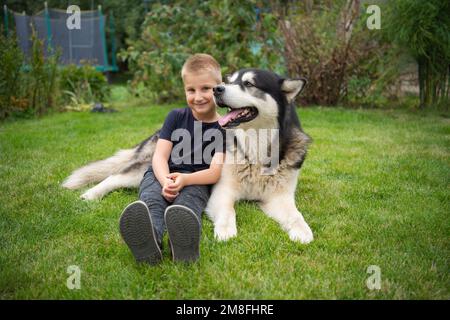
(256, 99)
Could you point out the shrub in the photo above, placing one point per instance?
(345, 62)
(11, 60)
(228, 30)
(82, 85)
(27, 85)
(34, 85)
(41, 82)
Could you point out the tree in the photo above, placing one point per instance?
(423, 28)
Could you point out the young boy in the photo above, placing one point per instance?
(175, 189)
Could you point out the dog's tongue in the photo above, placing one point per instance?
(228, 117)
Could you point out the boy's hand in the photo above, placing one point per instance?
(179, 182)
(168, 194)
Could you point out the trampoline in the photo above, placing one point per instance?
(77, 46)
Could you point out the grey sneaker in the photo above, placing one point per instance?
(183, 228)
(136, 228)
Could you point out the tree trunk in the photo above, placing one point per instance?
(349, 16)
(433, 84)
(309, 6)
(422, 73)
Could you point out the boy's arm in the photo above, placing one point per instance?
(207, 176)
(202, 177)
(160, 161)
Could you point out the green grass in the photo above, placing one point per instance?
(374, 189)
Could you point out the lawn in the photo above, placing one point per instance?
(374, 189)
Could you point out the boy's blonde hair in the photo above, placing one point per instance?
(201, 62)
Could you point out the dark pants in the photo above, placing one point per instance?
(195, 197)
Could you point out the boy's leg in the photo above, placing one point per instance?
(137, 231)
(195, 197)
(150, 193)
(183, 220)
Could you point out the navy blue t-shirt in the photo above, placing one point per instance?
(194, 142)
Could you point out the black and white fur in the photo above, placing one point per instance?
(268, 101)
(272, 97)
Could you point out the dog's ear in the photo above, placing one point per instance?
(231, 77)
(292, 87)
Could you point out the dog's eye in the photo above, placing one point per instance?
(248, 84)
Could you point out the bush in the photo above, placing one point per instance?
(41, 80)
(228, 30)
(33, 86)
(11, 60)
(333, 49)
(27, 85)
(82, 85)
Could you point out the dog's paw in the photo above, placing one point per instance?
(301, 233)
(225, 232)
(89, 195)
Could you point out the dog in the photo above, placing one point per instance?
(258, 101)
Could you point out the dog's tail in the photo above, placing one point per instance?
(100, 170)
(123, 161)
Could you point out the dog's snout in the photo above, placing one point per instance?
(218, 90)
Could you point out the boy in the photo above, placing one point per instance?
(175, 189)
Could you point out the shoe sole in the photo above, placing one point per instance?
(183, 228)
(137, 231)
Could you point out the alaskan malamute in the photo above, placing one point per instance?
(258, 101)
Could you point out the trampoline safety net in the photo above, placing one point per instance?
(77, 46)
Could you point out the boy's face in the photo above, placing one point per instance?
(198, 88)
